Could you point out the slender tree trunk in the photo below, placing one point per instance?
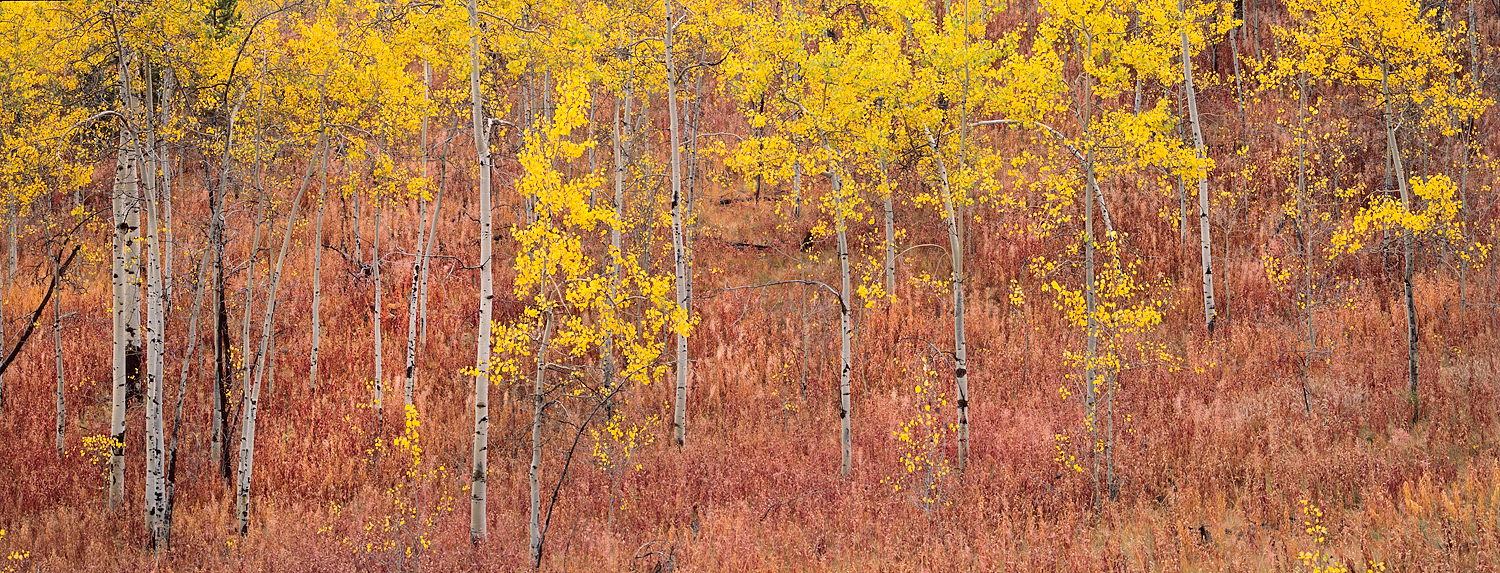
(477, 526)
(62, 404)
(164, 165)
(846, 328)
(1203, 223)
(1303, 205)
(187, 364)
(421, 263)
(622, 165)
(124, 201)
(1408, 269)
(679, 247)
(378, 317)
(223, 379)
(252, 400)
(888, 196)
(317, 280)
(155, 354)
(538, 404)
(960, 344)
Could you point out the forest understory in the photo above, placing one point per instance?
(1082, 403)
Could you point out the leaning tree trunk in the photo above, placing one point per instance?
(480, 475)
(1407, 241)
(1206, 263)
(252, 393)
(679, 247)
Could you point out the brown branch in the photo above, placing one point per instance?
(31, 321)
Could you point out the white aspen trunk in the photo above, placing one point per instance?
(960, 342)
(420, 265)
(796, 190)
(164, 166)
(1206, 263)
(846, 329)
(317, 281)
(537, 405)
(432, 230)
(252, 393)
(890, 232)
(248, 359)
(480, 477)
(1090, 392)
(187, 363)
(123, 200)
(621, 166)
(377, 316)
(62, 404)
(679, 248)
(155, 455)
(1408, 266)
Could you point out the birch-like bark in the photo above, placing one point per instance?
(679, 248)
(317, 280)
(163, 161)
(890, 231)
(622, 165)
(480, 476)
(421, 263)
(538, 404)
(1408, 267)
(846, 329)
(62, 404)
(123, 202)
(378, 315)
(960, 342)
(155, 455)
(252, 394)
(1206, 263)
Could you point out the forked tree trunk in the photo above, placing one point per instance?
(1407, 241)
(479, 478)
(679, 247)
(1206, 263)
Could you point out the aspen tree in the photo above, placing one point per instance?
(124, 204)
(252, 391)
(1209, 313)
(477, 527)
(1097, 140)
(679, 247)
(1403, 62)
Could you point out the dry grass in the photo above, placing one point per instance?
(1214, 463)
